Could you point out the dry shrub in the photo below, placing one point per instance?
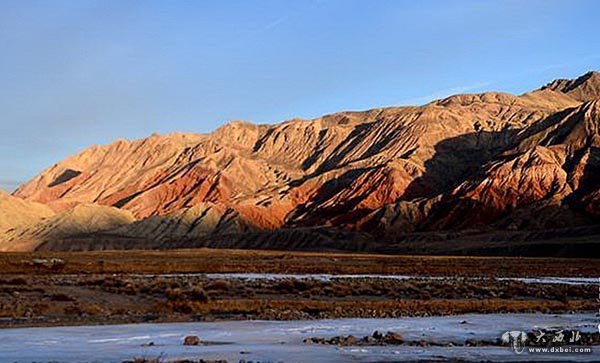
(113, 282)
(198, 294)
(343, 291)
(285, 286)
(40, 307)
(302, 285)
(218, 285)
(425, 295)
(182, 306)
(174, 294)
(130, 289)
(61, 297)
(92, 282)
(92, 309)
(17, 281)
(72, 310)
(159, 286)
(563, 297)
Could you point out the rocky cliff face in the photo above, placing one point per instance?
(485, 162)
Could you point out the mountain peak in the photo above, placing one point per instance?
(583, 88)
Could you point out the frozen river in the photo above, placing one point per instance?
(330, 277)
(281, 341)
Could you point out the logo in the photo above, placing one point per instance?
(516, 339)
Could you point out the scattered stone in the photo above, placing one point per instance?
(191, 340)
(158, 360)
(393, 338)
(377, 338)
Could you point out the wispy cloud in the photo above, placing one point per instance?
(591, 57)
(275, 23)
(259, 31)
(560, 66)
(421, 100)
(552, 67)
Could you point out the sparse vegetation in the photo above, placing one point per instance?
(37, 298)
(141, 298)
(223, 261)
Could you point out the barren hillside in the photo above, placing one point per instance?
(484, 163)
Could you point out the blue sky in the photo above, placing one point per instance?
(76, 73)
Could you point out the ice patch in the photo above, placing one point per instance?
(277, 341)
(332, 277)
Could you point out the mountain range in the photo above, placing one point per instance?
(489, 173)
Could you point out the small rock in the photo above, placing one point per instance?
(463, 322)
(470, 343)
(393, 338)
(348, 341)
(369, 340)
(191, 340)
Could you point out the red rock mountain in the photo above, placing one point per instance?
(468, 167)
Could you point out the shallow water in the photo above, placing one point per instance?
(281, 341)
